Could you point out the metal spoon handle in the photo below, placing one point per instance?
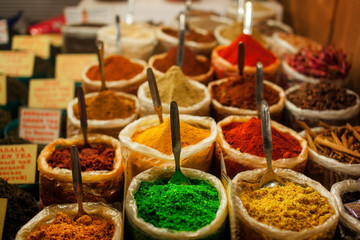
(180, 50)
(130, 14)
(100, 53)
(175, 133)
(82, 113)
(266, 133)
(76, 174)
(241, 58)
(118, 34)
(247, 27)
(259, 88)
(154, 93)
(240, 10)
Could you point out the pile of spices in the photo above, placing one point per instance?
(233, 31)
(116, 68)
(191, 35)
(64, 227)
(247, 138)
(174, 86)
(289, 207)
(21, 207)
(99, 157)
(191, 65)
(268, 28)
(300, 42)
(240, 93)
(350, 197)
(177, 207)
(351, 201)
(329, 63)
(254, 52)
(159, 137)
(5, 118)
(107, 105)
(321, 96)
(340, 143)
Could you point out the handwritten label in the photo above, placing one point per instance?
(78, 15)
(4, 35)
(17, 163)
(50, 93)
(3, 205)
(39, 44)
(17, 64)
(70, 66)
(39, 125)
(56, 39)
(3, 94)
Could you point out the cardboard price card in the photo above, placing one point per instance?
(39, 125)
(3, 92)
(39, 45)
(16, 63)
(3, 205)
(70, 66)
(50, 93)
(17, 163)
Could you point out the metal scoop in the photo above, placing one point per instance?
(180, 50)
(154, 93)
(100, 53)
(247, 23)
(259, 88)
(178, 177)
(241, 58)
(130, 14)
(118, 34)
(82, 114)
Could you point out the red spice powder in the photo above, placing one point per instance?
(254, 52)
(191, 65)
(247, 137)
(100, 157)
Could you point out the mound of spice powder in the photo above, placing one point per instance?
(247, 138)
(191, 65)
(86, 227)
(191, 35)
(177, 207)
(240, 93)
(107, 105)
(290, 207)
(254, 52)
(99, 157)
(116, 68)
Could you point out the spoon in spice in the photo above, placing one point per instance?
(100, 53)
(154, 93)
(118, 34)
(82, 115)
(130, 14)
(241, 58)
(178, 177)
(259, 89)
(180, 49)
(77, 181)
(247, 22)
(270, 179)
(239, 10)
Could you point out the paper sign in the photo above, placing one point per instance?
(50, 93)
(4, 35)
(3, 94)
(55, 39)
(70, 66)
(3, 205)
(16, 63)
(39, 125)
(39, 44)
(17, 163)
(96, 15)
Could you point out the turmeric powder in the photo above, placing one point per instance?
(159, 137)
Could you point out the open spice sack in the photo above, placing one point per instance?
(303, 208)
(146, 143)
(102, 170)
(240, 140)
(107, 111)
(208, 197)
(49, 215)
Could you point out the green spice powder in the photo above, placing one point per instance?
(177, 207)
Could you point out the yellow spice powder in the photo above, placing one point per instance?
(290, 207)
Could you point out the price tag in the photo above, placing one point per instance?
(4, 35)
(17, 64)
(3, 205)
(96, 15)
(70, 66)
(47, 93)
(17, 163)
(39, 125)
(55, 39)
(3, 94)
(39, 44)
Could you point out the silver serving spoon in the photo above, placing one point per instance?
(77, 181)
(154, 93)
(100, 53)
(130, 14)
(178, 177)
(82, 114)
(118, 34)
(247, 23)
(270, 179)
(239, 10)
(259, 89)
(241, 58)
(180, 50)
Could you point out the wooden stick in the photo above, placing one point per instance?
(336, 138)
(310, 141)
(335, 146)
(344, 140)
(351, 141)
(306, 127)
(354, 132)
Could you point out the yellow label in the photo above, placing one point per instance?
(70, 66)
(17, 163)
(16, 63)
(39, 45)
(2, 89)
(56, 39)
(3, 205)
(50, 93)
